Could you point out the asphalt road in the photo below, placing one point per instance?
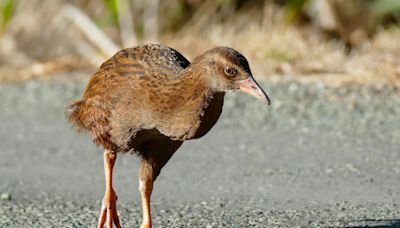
(318, 157)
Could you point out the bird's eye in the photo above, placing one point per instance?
(229, 71)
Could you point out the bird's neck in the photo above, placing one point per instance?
(197, 80)
(194, 81)
(198, 106)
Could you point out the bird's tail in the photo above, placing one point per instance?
(73, 113)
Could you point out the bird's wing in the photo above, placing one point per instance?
(150, 61)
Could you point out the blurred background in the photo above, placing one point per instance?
(354, 41)
(324, 154)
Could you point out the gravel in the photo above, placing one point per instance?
(317, 157)
(48, 211)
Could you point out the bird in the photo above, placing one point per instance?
(147, 100)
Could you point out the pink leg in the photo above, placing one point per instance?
(146, 179)
(109, 205)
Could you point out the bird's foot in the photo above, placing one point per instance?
(109, 211)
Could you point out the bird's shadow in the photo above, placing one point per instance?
(377, 223)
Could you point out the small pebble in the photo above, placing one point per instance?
(5, 196)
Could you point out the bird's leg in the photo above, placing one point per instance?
(146, 178)
(109, 205)
(150, 168)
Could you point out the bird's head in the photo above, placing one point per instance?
(227, 69)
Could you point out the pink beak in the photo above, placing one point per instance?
(251, 87)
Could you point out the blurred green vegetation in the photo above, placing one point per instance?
(294, 8)
(385, 7)
(280, 55)
(303, 35)
(175, 14)
(6, 9)
(112, 7)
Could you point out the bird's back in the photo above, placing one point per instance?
(119, 89)
(150, 63)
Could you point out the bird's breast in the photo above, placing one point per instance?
(194, 119)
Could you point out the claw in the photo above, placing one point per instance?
(109, 212)
(102, 217)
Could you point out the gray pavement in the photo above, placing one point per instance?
(318, 157)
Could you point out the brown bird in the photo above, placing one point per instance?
(148, 100)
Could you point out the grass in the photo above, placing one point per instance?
(6, 12)
(280, 56)
(276, 50)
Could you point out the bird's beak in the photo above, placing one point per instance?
(251, 87)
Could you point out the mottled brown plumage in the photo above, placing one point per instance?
(148, 100)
